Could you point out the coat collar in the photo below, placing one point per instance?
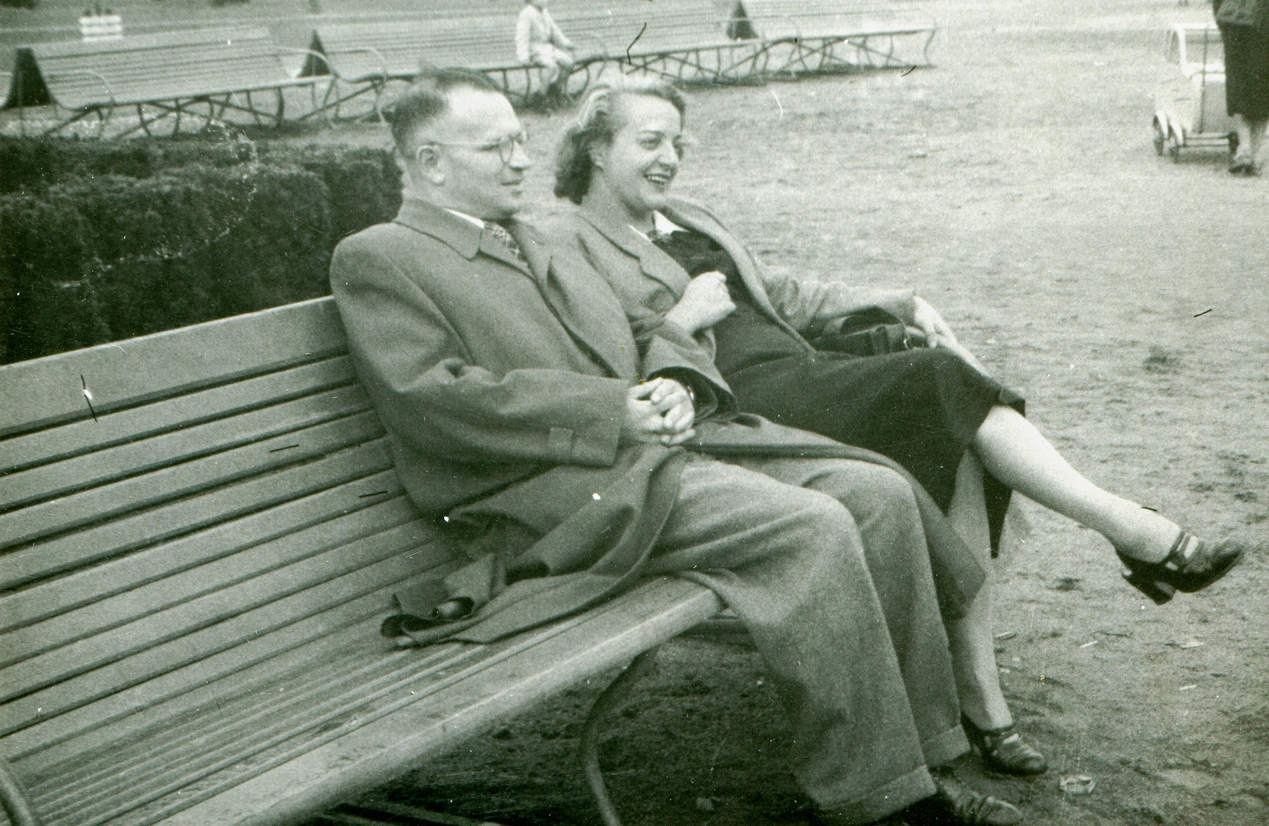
(578, 297)
(469, 240)
(654, 262)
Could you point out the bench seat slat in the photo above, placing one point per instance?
(174, 653)
(246, 703)
(189, 514)
(286, 712)
(57, 744)
(141, 637)
(139, 456)
(157, 417)
(143, 602)
(45, 600)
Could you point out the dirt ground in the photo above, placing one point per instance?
(1126, 296)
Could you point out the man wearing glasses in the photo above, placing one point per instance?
(521, 413)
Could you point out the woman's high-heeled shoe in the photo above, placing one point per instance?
(1191, 565)
(1004, 750)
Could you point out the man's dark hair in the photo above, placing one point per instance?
(596, 125)
(428, 99)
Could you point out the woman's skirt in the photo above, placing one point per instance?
(1246, 71)
(919, 407)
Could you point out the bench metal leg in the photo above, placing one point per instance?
(14, 799)
(613, 697)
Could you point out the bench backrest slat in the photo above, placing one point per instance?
(651, 28)
(48, 391)
(130, 425)
(45, 600)
(167, 519)
(135, 458)
(144, 600)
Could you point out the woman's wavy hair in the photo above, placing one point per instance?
(596, 126)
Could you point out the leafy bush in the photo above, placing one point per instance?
(100, 242)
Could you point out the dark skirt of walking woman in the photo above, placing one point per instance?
(1244, 26)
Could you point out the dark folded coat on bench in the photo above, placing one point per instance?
(524, 462)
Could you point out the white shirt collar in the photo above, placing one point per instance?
(661, 224)
(466, 217)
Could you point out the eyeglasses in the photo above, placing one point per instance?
(505, 145)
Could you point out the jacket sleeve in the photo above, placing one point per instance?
(432, 396)
(557, 34)
(808, 304)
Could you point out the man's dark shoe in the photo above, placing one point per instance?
(959, 804)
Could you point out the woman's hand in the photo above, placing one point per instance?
(660, 410)
(705, 302)
(932, 325)
(937, 334)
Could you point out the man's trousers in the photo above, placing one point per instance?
(825, 562)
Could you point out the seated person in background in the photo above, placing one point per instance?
(570, 463)
(540, 42)
(932, 409)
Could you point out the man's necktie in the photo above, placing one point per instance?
(658, 237)
(500, 232)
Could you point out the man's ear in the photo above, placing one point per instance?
(427, 159)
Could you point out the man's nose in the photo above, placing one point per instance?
(519, 156)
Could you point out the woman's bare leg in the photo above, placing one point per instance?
(1013, 451)
(971, 637)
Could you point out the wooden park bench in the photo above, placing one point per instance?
(364, 58)
(810, 36)
(202, 74)
(201, 530)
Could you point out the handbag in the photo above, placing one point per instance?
(870, 332)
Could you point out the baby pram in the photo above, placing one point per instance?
(1190, 105)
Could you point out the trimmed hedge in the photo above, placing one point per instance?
(171, 234)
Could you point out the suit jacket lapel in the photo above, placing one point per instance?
(582, 301)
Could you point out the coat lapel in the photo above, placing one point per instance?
(683, 214)
(582, 302)
(467, 239)
(654, 263)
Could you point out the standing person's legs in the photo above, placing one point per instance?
(790, 563)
